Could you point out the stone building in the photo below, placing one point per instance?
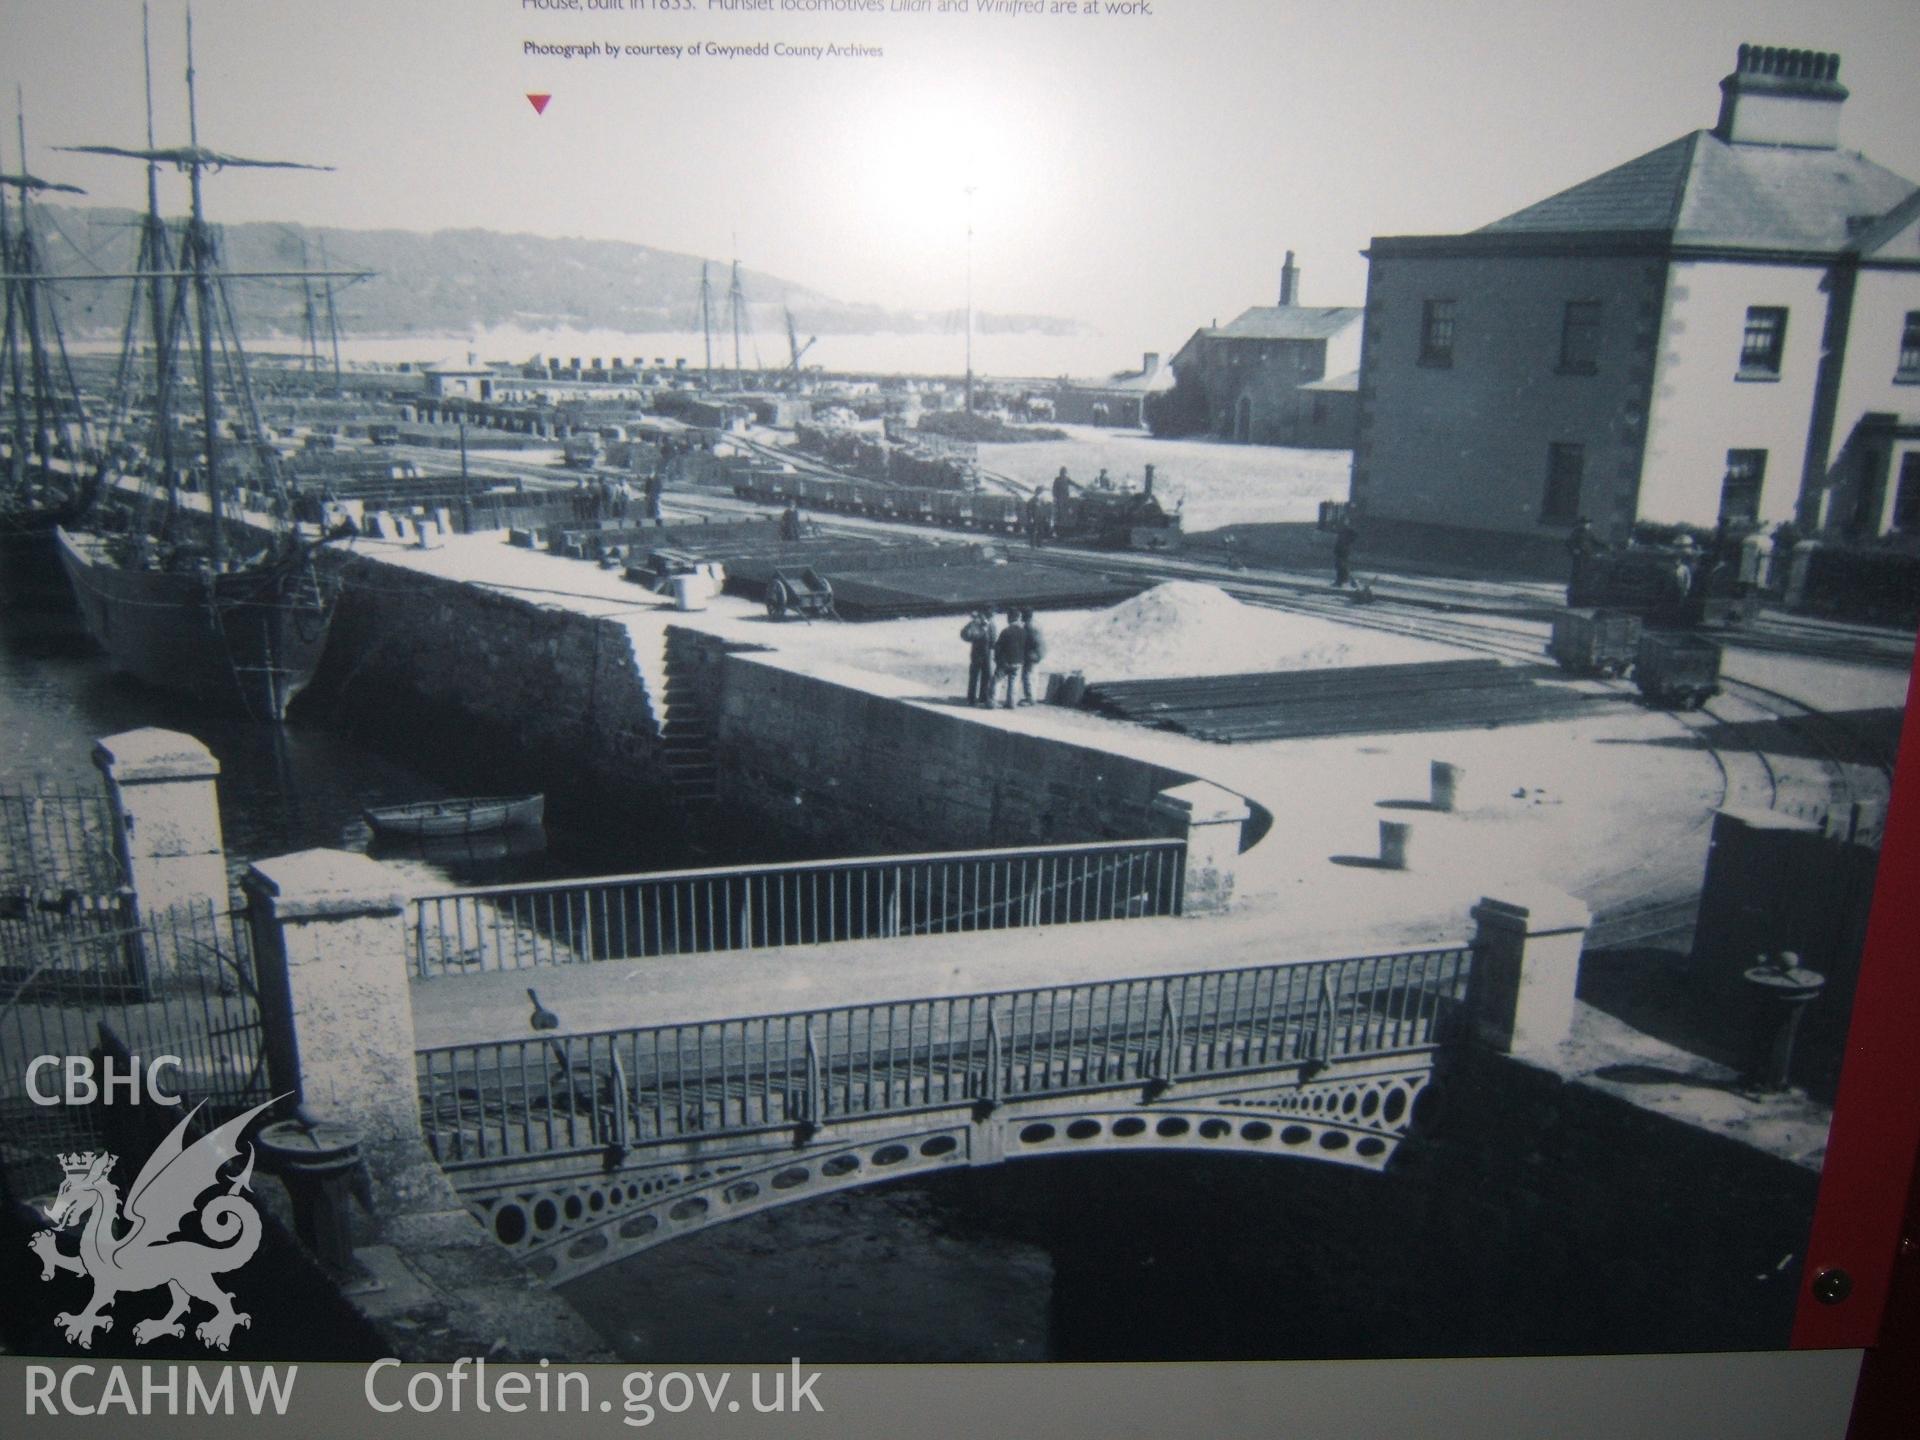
(1725, 327)
(1116, 399)
(1249, 374)
(451, 379)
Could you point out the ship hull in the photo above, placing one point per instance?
(31, 575)
(246, 642)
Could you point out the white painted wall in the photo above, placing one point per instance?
(1700, 410)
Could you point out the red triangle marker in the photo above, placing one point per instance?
(539, 103)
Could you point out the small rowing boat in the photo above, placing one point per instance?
(439, 819)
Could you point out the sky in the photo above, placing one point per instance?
(1142, 174)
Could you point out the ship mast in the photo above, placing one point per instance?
(736, 302)
(198, 247)
(21, 260)
(197, 269)
(706, 319)
(154, 258)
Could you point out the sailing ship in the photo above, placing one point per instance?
(50, 477)
(227, 607)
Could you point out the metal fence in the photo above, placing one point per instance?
(60, 873)
(685, 912)
(499, 1100)
(179, 984)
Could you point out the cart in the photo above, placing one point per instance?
(1595, 642)
(1677, 669)
(805, 593)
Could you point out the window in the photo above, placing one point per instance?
(1436, 333)
(1906, 498)
(1740, 489)
(1909, 367)
(1762, 343)
(1564, 464)
(1580, 338)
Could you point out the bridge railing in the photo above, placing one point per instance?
(501, 1100)
(684, 912)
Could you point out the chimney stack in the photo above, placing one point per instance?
(1150, 363)
(1782, 97)
(1289, 282)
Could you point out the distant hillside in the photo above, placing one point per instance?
(450, 282)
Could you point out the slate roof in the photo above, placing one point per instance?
(1702, 190)
(1287, 322)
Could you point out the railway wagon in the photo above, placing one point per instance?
(1645, 580)
(1677, 668)
(1595, 642)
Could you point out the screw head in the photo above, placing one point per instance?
(1832, 1285)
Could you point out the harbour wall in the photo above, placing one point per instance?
(544, 697)
(826, 756)
(835, 762)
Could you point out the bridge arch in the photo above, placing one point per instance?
(570, 1218)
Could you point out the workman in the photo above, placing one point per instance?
(1009, 655)
(1036, 651)
(979, 635)
(1344, 537)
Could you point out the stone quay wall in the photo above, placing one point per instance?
(551, 699)
(545, 697)
(826, 760)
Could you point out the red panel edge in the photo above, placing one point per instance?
(1858, 1216)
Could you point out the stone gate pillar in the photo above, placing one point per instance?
(1527, 966)
(329, 944)
(164, 795)
(1210, 818)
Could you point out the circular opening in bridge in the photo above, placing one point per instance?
(1295, 1135)
(1083, 1129)
(742, 1190)
(510, 1224)
(1034, 1134)
(1171, 1126)
(841, 1165)
(793, 1175)
(573, 1207)
(587, 1245)
(939, 1145)
(1256, 1130)
(1349, 1103)
(596, 1202)
(1395, 1106)
(1333, 1140)
(543, 1265)
(1369, 1103)
(1214, 1129)
(688, 1209)
(1370, 1147)
(639, 1225)
(889, 1154)
(545, 1215)
(1128, 1127)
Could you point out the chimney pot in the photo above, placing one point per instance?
(1781, 96)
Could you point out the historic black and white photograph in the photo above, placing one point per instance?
(941, 680)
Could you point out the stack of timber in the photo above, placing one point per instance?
(1357, 700)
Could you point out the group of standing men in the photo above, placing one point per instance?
(1001, 655)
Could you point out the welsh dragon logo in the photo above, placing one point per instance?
(136, 1249)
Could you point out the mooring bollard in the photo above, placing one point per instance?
(1444, 780)
(316, 1160)
(1782, 990)
(1396, 840)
